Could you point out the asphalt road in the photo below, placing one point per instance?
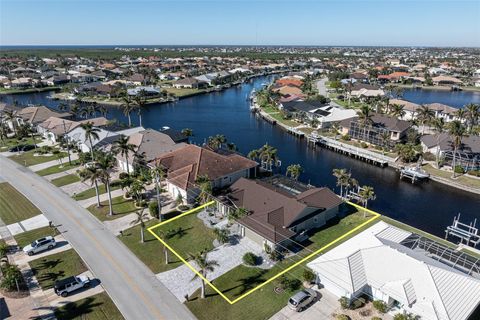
(130, 284)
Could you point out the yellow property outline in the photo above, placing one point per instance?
(375, 216)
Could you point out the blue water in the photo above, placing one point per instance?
(456, 99)
(429, 206)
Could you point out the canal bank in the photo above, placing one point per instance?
(429, 206)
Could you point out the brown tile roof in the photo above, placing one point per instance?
(184, 165)
(272, 211)
(39, 114)
(152, 144)
(56, 125)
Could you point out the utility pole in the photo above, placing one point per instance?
(68, 144)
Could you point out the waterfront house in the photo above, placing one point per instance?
(396, 128)
(149, 144)
(38, 114)
(289, 91)
(104, 141)
(410, 108)
(189, 83)
(443, 111)
(146, 91)
(281, 210)
(446, 80)
(383, 263)
(54, 127)
(468, 153)
(393, 77)
(185, 165)
(362, 90)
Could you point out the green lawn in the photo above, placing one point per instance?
(12, 142)
(97, 307)
(58, 168)
(29, 236)
(28, 158)
(89, 193)
(195, 237)
(183, 92)
(68, 179)
(463, 179)
(121, 207)
(57, 266)
(265, 301)
(14, 207)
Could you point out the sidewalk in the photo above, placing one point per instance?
(103, 197)
(50, 177)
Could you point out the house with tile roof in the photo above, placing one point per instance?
(186, 164)
(38, 114)
(377, 263)
(277, 214)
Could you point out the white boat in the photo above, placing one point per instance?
(415, 172)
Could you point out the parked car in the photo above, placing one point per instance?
(65, 286)
(300, 300)
(22, 147)
(40, 245)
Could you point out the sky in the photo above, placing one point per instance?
(241, 22)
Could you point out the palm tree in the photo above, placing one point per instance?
(187, 132)
(140, 102)
(9, 115)
(294, 170)
(343, 178)
(90, 133)
(216, 141)
(385, 139)
(122, 147)
(62, 106)
(91, 109)
(366, 193)
(103, 110)
(160, 173)
(457, 132)
(352, 183)
(253, 155)
(164, 235)
(238, 213)
(425, 115)
(439, 127)
(365, 116)
(136, 190)
(268, 156)
(94, 175)
(105, 162)
(473, 115)
(127, 107)
(75, 108)
(397, 111)
(204, 266)
(3, 132)
(205, 186)
(461, 114)
(140, 218)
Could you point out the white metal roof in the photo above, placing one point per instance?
(423, 285)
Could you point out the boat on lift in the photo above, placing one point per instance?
(414, 173)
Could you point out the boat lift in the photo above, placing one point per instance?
(465, 232)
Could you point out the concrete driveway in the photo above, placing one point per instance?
(323, 308)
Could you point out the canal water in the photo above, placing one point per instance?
(456, 99)
(429, 206)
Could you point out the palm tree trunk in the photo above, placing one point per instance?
(110, 212)
(142, 235)
(129, 120)
(165, 250)
(454, 160)
(126, 159)
(203, 289)
(140, 118)
(91, 147)
(97, 194)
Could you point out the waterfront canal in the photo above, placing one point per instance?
(429, 206)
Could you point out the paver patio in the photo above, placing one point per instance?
(179, 280)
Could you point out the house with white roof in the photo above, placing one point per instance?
(376, 263)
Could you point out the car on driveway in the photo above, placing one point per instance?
(22, 147)
(65, 286)
(40, 245)
(300, 300)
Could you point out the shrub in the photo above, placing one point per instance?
(364, 145)
(274, 255)
(153, 209)
(288, 284)
(376, 318)
(405, 316)
(11, 276)
(357, 303)
(344, 302)
(346, 137)
(141, 203)
(123, 175)
(250, 259)
(3, 249)
(380, 306)
(428, 156)
(183, 207)
(308, 276)
(342, 317)
(223, 236)
(56, 152)
(459, 169)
